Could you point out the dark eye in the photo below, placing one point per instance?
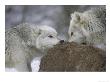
(50, 36)
(84, 43)
(71, 33)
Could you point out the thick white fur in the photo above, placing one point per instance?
(25, 42)
(89, 27)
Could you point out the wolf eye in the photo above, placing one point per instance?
(71, 33)
(50, 36)
(83, 43)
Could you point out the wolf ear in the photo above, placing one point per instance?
(76, 16)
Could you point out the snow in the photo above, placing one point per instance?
(10, 70)
(34, 66)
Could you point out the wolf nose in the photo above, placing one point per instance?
(62, 41)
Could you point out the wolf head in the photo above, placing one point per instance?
(47, 38)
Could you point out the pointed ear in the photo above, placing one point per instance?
(76, 16)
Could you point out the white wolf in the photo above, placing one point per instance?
(89, 27)
(25, 42)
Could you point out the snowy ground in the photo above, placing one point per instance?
(34, 65)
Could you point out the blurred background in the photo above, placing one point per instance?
(57, 16)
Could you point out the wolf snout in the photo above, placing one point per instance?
(62, 41)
